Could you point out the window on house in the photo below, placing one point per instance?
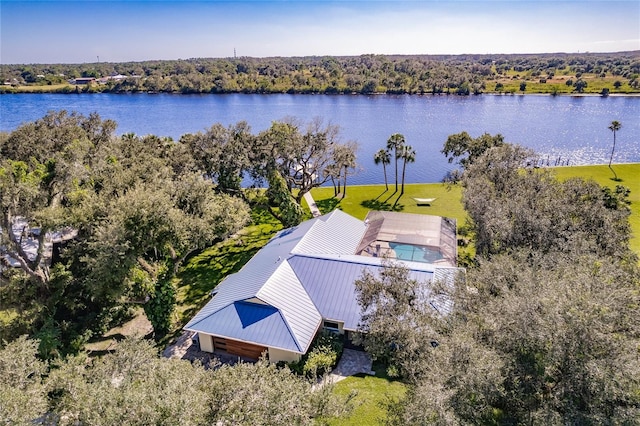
(333, 326)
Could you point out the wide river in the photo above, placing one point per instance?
(570, 129)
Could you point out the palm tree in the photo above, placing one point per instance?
(382, 157)
(614, 127)
(395, 143)
(347, 162)
(408, 155)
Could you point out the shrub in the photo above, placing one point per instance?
(321, 358)
(393, 371)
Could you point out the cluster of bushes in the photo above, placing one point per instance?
(323, 356)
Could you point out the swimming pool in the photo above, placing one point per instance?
(415, 253)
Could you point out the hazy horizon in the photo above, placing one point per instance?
(52, 32)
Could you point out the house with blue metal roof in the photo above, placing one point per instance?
(303, 280)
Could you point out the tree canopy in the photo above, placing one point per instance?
(365, 74)
(133, 385)
(464, 149)
(121, 211)
(306, 156)
(544, 328)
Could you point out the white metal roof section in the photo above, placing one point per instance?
(446, 279)
(247, 282)
(269, 277)
(333, 233)
(284, 291)
(307, 273)
(330, 281)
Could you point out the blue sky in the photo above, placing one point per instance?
(118, 31)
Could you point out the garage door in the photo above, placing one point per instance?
(234, 347)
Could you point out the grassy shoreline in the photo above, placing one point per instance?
(71, 89)
(360, 199)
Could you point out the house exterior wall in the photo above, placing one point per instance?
(206, 342)
(276, 355)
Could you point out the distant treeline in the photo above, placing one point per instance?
(366, 74)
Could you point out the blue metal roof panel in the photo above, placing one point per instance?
(249, 322)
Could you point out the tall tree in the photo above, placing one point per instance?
(531, 339)
(394, 145)
(222, 153)
(345, 162)
(45, 170)
(540, 331)
(464, 149)
(134, 385)
(393, 311)
(580, 85)
(289, 212)
(408, 155)
(614, 127)
(382, 157)
(23, 395)
(305, 158)
(512, 206)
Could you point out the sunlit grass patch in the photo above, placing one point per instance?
(372, 395)
(360, 199)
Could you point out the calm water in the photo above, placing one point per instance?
(573, 129)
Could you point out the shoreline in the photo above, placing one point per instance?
(72, 90)
(634, 163)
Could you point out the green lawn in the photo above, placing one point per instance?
(360, 199)
(372, 393)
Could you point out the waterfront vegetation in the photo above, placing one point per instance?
(541, 331)
(596, 73)
(203, 271)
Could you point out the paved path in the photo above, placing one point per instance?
(315, 211)
(352, 362)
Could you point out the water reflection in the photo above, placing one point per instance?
(561, 129)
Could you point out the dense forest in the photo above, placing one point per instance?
(543, 329)
(602, 73)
